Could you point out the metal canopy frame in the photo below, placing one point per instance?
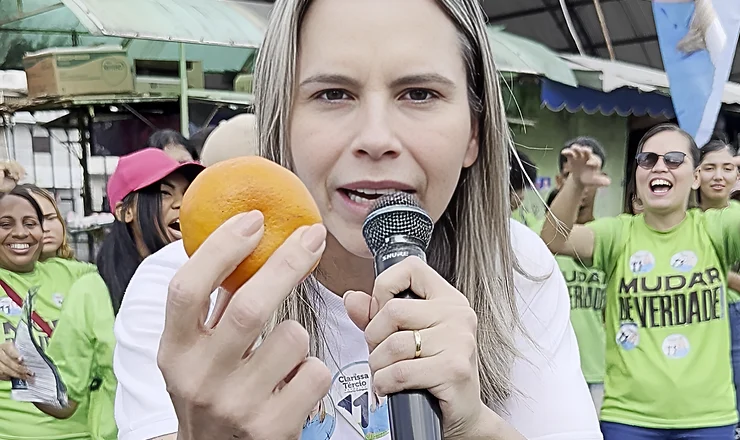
(98, 18)
(238, 24)
(630, 23)
(22, 15)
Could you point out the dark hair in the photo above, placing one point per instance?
(160, 139)
(521, 175)
(694, 154)
(119, 257)
(23, 193)
(198, 140)
(551, 197)
(714, 146)
(584, 141)
(735, 195)
(630, 194)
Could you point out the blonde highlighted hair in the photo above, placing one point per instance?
(471, 245)
(65, 250)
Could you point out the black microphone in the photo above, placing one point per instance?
(396, 228)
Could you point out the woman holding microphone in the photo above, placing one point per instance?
(357, 97)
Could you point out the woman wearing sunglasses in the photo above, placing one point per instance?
(668, 370)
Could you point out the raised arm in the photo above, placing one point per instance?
(560, 233)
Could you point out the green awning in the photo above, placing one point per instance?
(520, 55)
(212, 22)
(31, 25)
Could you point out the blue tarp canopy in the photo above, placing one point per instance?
(623, 101)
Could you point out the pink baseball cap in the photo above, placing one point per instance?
(142, 168)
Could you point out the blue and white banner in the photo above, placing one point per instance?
(698, 40)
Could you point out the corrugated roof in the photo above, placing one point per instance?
(49, 25)
(513, 53)
(215, 22)
(630, 24)
(613, 75)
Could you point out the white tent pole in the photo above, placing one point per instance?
(572, 30)
(184, 111)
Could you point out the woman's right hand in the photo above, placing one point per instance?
(585, 167)
(11, 363)
(221, 386)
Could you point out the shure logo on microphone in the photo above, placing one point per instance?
(395, 254)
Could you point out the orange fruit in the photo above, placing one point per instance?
(241, 185)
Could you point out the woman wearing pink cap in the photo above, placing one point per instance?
(145, 193)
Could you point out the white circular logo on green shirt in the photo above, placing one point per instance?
(642, 262)
(8, 307)
(684, 261)
(676, 346)
(628, 336)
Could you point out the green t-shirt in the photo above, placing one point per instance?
(22, 420)
(667, 332)
(82, 350)
(733, 296)
(587, 289)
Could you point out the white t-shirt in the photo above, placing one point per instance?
(554, 404)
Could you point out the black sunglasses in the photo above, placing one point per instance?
(672, 159)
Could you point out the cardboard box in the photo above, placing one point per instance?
(73, 71)
(244, 82)
(153, 85)
(163, 77)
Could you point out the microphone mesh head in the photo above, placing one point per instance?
(397, 215)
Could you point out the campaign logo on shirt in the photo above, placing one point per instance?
(58, 299)
(642, 262)
(356, 402)
(9, 308)
(628, 336)
(676, 346)
(684, 261)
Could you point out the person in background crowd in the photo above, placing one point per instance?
(56, 241)
(145, 197)
(586, 286)
(522, 175)
(586, 208)
(718, 175)
(146, 191)
(238, 131)
(198, 139)
(354, 97)
(174, 144)
(666, 306)
(143, 409)
(21, 236)
(735, 193)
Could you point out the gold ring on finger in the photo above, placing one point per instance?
(417, 340)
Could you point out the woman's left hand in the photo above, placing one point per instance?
(447, 365)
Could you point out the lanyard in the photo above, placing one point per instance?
(43, 325)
